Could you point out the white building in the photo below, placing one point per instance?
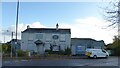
(41, 39)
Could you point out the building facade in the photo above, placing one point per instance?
(41, 39)
(79, 45)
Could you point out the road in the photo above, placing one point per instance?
(111, 61)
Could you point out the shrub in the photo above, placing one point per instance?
(67, 51)
(22, 53)
(49, 51)
(61, 52)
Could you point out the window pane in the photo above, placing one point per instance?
(39, 36)
(48, 37)
(30, 37)
(62, 37)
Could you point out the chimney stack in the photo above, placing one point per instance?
(57, 26)
(28, 26)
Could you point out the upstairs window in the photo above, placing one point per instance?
(62, 38)
(48, 37)
(30, 38)
(39, 36)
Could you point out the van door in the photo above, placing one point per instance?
(104, 53)
(99, 54)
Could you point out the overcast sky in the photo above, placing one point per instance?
(85, 19)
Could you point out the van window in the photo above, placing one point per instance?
(104, 51)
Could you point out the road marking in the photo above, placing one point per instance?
(24, 60)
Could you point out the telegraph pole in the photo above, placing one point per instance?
(17, 25)
(11, 43)
(17, 19)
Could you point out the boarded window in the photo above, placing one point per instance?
(39, 36)
(30, 47)
(48, 37)
(62, 37)
(30, 37)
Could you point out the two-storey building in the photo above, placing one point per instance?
(41, 39)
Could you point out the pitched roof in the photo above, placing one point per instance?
(83, 39)
(38, 42)
(78, 39)
(47, 30)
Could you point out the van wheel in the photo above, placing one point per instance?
(106, 56)
(89, 57)
(94, 56)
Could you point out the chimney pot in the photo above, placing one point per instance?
(57, 26)
(28, 26)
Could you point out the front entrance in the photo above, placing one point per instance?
(40, 47)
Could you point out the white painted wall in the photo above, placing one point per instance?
(24, 37)
(73, 50)
(28, 39)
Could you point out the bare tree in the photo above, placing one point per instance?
(112, 13)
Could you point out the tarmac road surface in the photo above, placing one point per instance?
(111, 61)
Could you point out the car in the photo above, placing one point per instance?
(95, 53)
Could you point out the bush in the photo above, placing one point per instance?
(67, 51)
(6, 48)
(117, 51)
(49, 51)
(115, 46)
(0, 48)
(22, 53)
(61, 52)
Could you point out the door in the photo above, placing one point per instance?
(102, 53)
(99, 53)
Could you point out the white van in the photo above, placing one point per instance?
(96, 53)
